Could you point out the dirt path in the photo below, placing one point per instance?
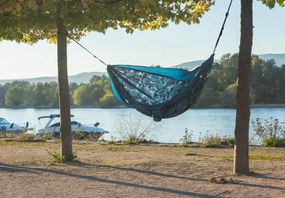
(137, 171)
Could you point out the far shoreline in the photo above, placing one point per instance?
(123, 106)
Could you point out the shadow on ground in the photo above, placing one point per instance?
(34, 170)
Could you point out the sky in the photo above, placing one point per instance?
(170, 46)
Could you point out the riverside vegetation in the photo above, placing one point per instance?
(270, 132)
(134, 130)
(267, 87)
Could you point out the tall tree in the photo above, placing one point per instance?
(241, 163)
(33, 20)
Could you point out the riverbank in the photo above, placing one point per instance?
(123, 106)
(268, 106)
(162, 170)
(200, 122)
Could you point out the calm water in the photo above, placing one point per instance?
(220, 121)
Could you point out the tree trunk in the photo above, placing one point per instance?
(241, 163)
(64, 102)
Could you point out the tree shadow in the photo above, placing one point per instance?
(135, 170)
(34, 170)
(261, 176)
(265, 176)
(260, 186)
(151, 173)
(14, 168)
(198, 179)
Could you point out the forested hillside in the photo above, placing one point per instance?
(267, 83)
(24, 94)
(268, 86)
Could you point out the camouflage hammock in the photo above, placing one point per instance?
(158, 92)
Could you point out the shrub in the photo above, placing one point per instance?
(273, 142)
(187, 137)
(57, 158)
(79, 135)
(216, 141)
(271, 132)
(211, 141)
(135, 129)
(228, 141)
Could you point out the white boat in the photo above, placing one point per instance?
(53, 126)
(7, 127)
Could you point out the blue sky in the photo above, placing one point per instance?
(167, 47)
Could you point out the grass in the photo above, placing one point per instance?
(57, 158)
(258, 157)
(122, 149)
(95, 148)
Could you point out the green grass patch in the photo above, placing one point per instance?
(257, 157)
(58, 158)
(266, 157)
(122, 149)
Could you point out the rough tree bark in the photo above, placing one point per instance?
(241, 163)
(64, 102)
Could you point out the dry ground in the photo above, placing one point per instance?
(106, 170)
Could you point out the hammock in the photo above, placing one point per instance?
(159, 92)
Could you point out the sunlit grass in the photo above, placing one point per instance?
(259, 157)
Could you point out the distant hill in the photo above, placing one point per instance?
(279, 58)
(189, 65)
(86, 76)
(78, 78)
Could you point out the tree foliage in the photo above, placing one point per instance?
(44, 94)
(35, 20)
(16, 93)
(272, 3)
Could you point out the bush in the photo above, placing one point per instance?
(58, 158)
(135, 129)
(273, 142)
(271, 132)
(228, 141)
(187, 137)
(79, 135)
(216, 141)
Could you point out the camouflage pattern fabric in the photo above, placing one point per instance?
(156, 95)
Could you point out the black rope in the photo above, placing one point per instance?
(222, 29)
(84, 48)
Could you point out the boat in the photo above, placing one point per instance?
(7, 127)
(52, 126)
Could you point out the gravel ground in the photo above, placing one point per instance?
(106, 170)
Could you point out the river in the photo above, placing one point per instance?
(199, 121)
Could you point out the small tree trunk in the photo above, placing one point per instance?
(64, 102)
(241, 163)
